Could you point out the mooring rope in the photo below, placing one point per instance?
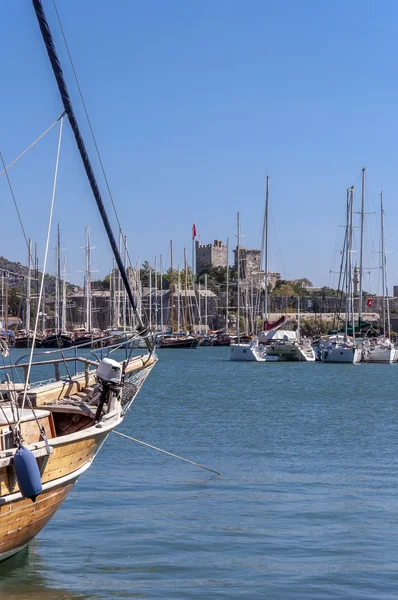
(191, 462)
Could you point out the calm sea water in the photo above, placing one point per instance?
(306, 505)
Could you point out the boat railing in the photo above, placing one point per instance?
(51, 357)
(56, 362)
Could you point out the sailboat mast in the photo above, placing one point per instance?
(361, 248)
(347, 251)
(6, 305)
(28, 291)
(63, 90)
(161, 292)
(386, 307)
(64, 296)
(2, 299)
(156, 295)
(88, 280)
(238, 282)
(171, 288)
(227, 294)
(124, 293)
(266, 249)
(185, 291)
(178, 300)
(349, 274)
(206, 307)
(58, 284)
(150, 298)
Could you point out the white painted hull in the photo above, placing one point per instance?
(341, 354)
(380, 355)
(247, 353)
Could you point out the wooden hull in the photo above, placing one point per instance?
(21, 519)
(57, 341)
(26, 342)
(75, 434)
(176, 343)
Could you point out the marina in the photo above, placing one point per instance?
(197, 385)
(305, 472)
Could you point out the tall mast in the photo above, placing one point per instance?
(156, 294)
(2, 299)
(206, 321)
(161, 292)
(238, 286)
(36, 279)
(150, 298)
(383, 263)
(88, 280)
(6, 304)
(64, 297)
(200, 307)
(171, 288)
(57, 284)
(119, 281)
(63, 90)
(185, 291)
(361, 248)
(266, 250)
(347, 251)
(43, 308)
(178, 300)
(227, 294)
(111, 299)
(124, 293)
(28, 292)
(350, 282)
(114, 306)
(386, 304)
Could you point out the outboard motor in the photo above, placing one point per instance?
(27, 473)
(110, 375)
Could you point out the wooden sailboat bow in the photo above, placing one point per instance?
(63, 90)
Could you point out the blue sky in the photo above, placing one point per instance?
(193, 103)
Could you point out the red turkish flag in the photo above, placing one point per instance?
(369, 301)
(193, 231)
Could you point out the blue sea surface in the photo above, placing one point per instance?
(306, 506)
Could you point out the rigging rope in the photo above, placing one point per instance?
(31, 145)
(58, 73)
(44, 266)
(91, 130)
(15, 204)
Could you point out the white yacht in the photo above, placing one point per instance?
(339, 348)
(248, 352)
(286, 345)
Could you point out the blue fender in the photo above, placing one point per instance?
(27, 473)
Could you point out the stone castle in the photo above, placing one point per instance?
(210, 256)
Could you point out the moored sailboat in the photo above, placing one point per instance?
(50, 433)
(381, 349)
(340, 347)
(280, 343)
(251, 351)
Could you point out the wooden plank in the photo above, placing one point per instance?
(26, 519)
